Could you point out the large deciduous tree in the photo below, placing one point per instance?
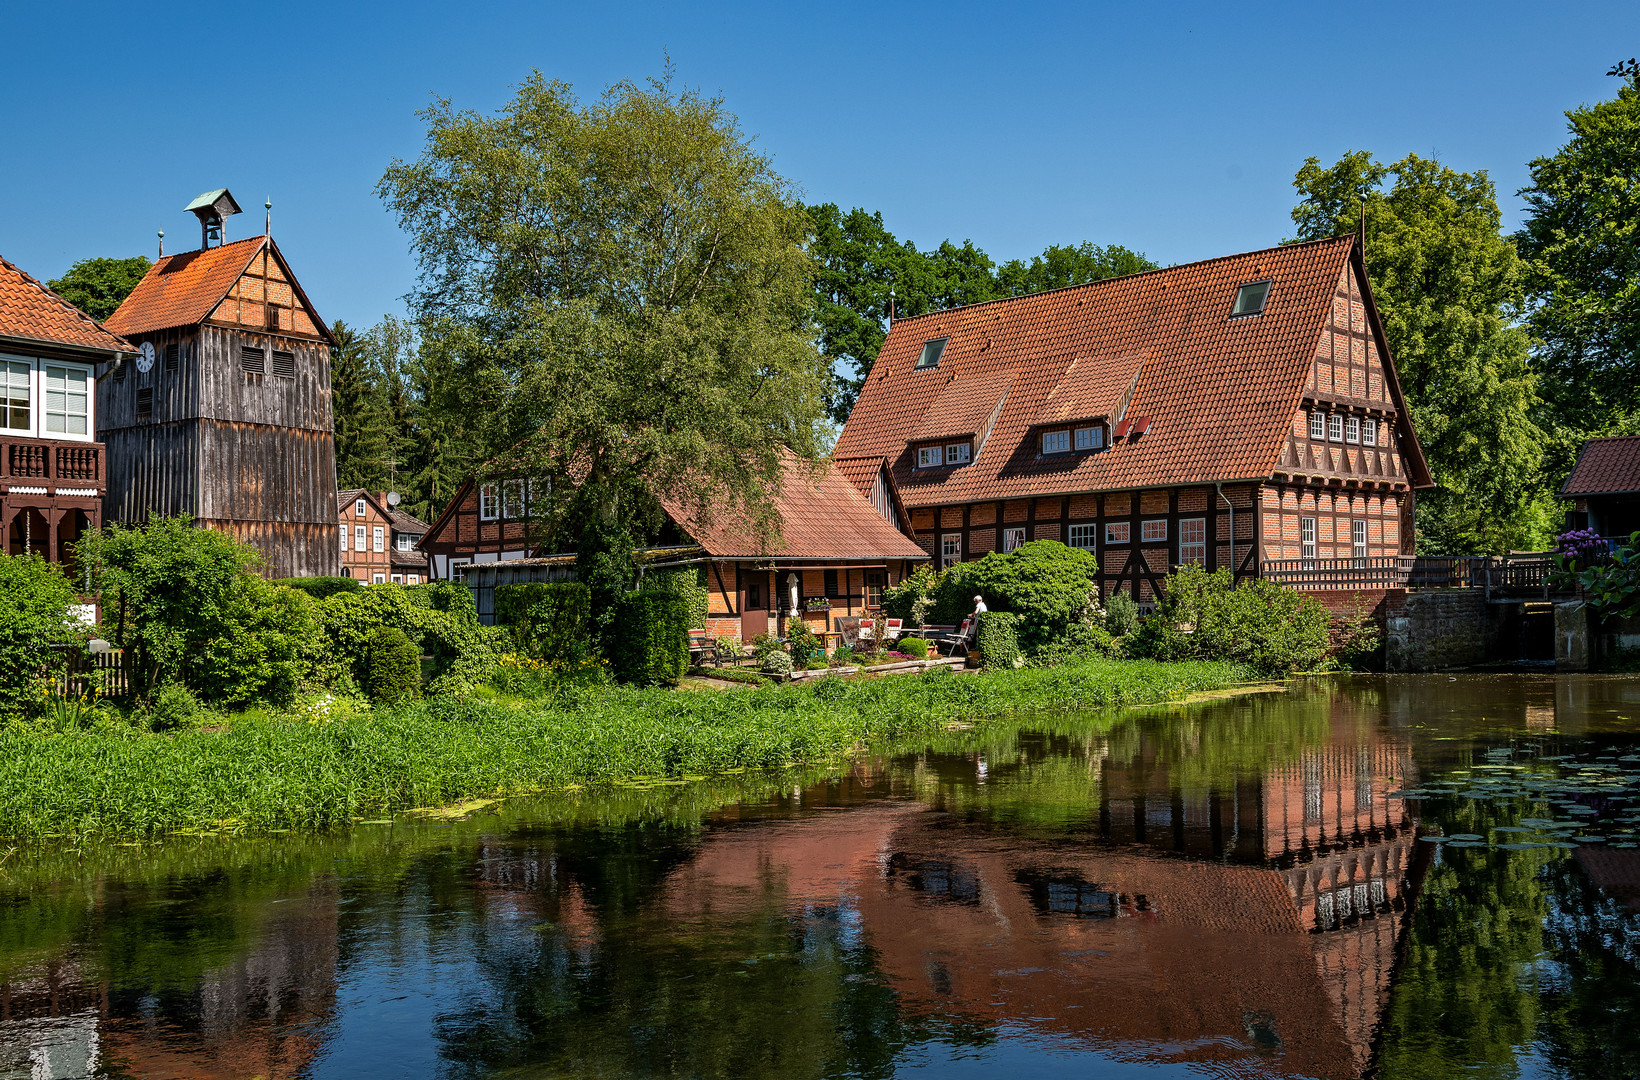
(1581, 241)
(617, 295)
(99, 286)
(1449, 288)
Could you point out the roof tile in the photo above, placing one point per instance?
(1608, 466)
(183, 289)
(30, 310)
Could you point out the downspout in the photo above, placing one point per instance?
(1218, 486)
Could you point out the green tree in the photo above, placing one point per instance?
(34, 600)
(1059, 266)
(621, 293)
(358, 402)
(1449, 287)
(99, 286)
(1581, 242)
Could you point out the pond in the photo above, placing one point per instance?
(1425, 876)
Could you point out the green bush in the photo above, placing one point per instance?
(1048, 585)
(261, 648)
(393, 667)
(915, 647)
(448, 596)
(650, 638)
(802, 644)
(173, 706)
(34, 600)
(547, 620)
(776, 663)
(1080, 641)
(321, 587)
(1121, 614)
(689, 583)
(1269, 628)
(998, 640)
(909, 599)
(464, 653)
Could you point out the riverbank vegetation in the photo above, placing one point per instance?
(259, 771)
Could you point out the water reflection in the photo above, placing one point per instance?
(1224, 888)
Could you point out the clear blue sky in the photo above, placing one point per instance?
(1174, 129)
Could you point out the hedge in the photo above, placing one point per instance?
(687, 582)
(393, 666)
(650, 638)
(998, 641)
(547, 620)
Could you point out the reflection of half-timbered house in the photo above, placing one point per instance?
(53, 471)
(1148, 418)
(226, 414)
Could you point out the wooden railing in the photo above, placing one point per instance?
(1326, 575)
(104, 673)
(1502, 577)
(53, 460)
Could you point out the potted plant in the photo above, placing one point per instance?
(817, 603)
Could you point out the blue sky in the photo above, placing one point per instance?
(1173, 129)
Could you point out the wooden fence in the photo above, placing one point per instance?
(1508, 577)
(103, 672)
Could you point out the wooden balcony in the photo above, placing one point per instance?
(52, 463)
(1508, 577)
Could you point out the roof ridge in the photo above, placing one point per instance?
(1130, 277)
(72, 308)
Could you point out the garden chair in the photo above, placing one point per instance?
(702, 648)
(868, 630)
(957, 639)
(892, 629)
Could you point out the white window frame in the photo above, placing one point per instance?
(957, 453)
(1335, 427)
(1056, 442)
(1306, 540)
(358, 538)
(1352, 429)
(358, 508)
(950, 549)
(489, 502)
(1012, 538)
(512, 500)
(404, 541)
(1090, 438)
(344, 539)
(1118, 532)
(1318, 424)
(928, 457)
(1369, 432)
(378, 538)
(397, 579)
(16, 375)
(86, 393)
(378, 579)
(458, 569)
(1193, 541)
(1153, 531)
(1358, 542)
(1083, 536)
(412, 579)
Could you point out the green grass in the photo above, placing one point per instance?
(275, 774)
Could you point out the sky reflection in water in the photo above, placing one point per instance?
(1227, 890)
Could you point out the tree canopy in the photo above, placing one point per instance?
(1449, 287)
(99, 286)
(617, 296)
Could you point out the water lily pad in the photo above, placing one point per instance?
(1465, 836)
(1433, 839)
(1522, 847)
(1467, 843)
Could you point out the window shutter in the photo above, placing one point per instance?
(145, 403)
(284, 364)
(252, 359)
(172, 353)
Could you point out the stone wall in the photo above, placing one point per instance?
(1443, 628)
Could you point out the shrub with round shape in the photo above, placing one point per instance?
(392, 667)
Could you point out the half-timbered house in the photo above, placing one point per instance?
(378, 540)
(53, 471)
(1239, 412)
(226, 415)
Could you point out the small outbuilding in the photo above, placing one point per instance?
(1605, 487)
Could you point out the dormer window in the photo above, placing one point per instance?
(956, 453)
(1250, 299)
(1056, 442)
(1090, 438)
(932, 350)
(928, 457)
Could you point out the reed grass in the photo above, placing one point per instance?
(264, 774)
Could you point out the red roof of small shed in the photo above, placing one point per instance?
(1608, 466)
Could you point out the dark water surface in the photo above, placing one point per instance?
(1231, 889)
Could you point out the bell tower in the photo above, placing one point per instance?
(211, 209)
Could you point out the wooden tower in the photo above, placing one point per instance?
(226, 413)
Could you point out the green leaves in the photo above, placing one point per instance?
(34, 601)
(99, 286)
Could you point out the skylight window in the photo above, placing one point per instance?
(931, 353)
(1250, 298)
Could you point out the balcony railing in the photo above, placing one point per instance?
(53, 462)
(1502, 577)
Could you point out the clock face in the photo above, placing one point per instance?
(145, 356)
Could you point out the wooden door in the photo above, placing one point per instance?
(754, 604)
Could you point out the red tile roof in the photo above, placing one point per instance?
(1091, 390)
(965, 407)
(183, 289)
(823, 516)
(860, 471)
(30, 311)
(1220, 392)
(1606, 467)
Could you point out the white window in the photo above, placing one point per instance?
(1154, 531)
(413, 579)
(398, 579)
(931, 353)
(344, 538)
(1250, 298)
(377, 540)
(458, 568)
(358, 538)
(378, 579)
(1083, 536)
(1011, 539)
(513, 494)
(1318, 425)
(489, 503)
(1306, 538)
(1352, 429)
(1358, 537)
(1335, 428)
(1192, 541)
(1369, 433)
(950, 549)
(14, 396)
(1056, 442)
(404, 541)
(956, 453)
(928, 457)
(1117, 532)
(1090, 438)
(67, 411)
(358, 508)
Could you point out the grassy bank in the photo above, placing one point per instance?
(281, 774)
